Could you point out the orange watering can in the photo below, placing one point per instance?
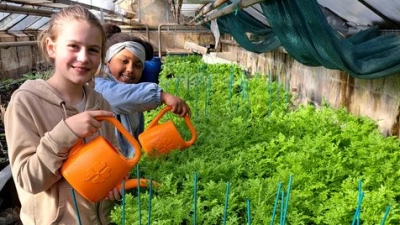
(95, 168)
(158, 139)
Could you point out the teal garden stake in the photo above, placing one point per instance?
(178, 81)
(196, 92)
(226, 202)
(76, 207)
(287, 199)
(385, 216)
(248, 212)
(276, 203)
(270, 94)
(138, 191)
(356, 218)
(195, 199)
(123, 203)
(150, 198)
(231, 87)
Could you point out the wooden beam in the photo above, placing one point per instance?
(195, 48)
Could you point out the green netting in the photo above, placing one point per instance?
(248, 32)
(302, 29)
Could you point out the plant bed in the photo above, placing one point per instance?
(253, 141)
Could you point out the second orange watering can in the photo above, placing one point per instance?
(95, 168)
(159, 139)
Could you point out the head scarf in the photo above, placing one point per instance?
(134, 47)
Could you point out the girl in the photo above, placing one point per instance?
(44, 119)
(125, 60)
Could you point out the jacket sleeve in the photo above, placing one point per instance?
(127, 98)
(35, 155)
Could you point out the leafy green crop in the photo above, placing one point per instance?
(248, 138)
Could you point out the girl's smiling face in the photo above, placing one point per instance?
(76, 52)
(126, 67)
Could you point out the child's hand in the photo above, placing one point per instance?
(116, 194)
(85, 124)
(179, 106)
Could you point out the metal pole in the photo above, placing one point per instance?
(159, 34)
(139, 25)
(24, 10)
(228, 9)
(207, 9)
(17, 44)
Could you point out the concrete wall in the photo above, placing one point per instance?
(378, 99)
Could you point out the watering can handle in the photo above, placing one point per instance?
(133, 161)
(187, 121)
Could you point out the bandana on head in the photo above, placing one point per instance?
(134, 47)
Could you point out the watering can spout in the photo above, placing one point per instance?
(134, 183)
(159, 139)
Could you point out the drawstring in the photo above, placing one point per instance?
(65, 110)
(66, 116)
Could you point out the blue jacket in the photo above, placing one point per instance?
(128, 102)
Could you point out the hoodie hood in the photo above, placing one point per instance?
(44, 91)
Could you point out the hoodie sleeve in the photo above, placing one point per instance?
(35, 154)
(127, 98)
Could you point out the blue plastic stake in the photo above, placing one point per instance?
(226, 202)
(76, 207)
(123, 202)
(248, 212)
(138, 191)
(150, 198)
(385, 216)
(276, 203)
(195, 199)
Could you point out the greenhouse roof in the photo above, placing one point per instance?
(356, 36)
(346, 16)
(28, 15)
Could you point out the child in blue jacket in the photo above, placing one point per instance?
(119, 84)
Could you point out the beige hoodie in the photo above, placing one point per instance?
(38, 142)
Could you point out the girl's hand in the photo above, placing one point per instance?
(179, 106)
(115, 194)
(85, 124)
